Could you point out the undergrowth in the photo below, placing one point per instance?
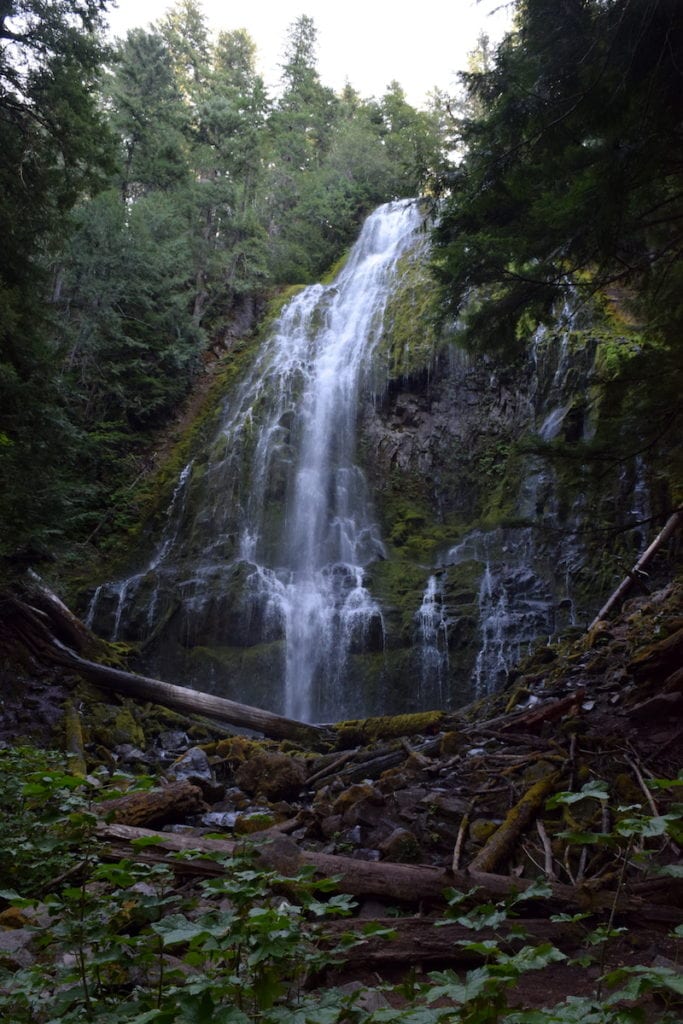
(124, 942)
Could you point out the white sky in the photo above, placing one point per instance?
(368, 42)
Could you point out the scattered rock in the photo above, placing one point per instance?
(272, 775)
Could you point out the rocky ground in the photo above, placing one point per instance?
(399, 808)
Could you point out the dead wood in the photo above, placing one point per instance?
(160, 806)
(547, 712)
(418, 940)
(408, 884)
(670, 527)
(659, 661)
(159, 692)
(66, 626)
(368, 730)
(370, 764)
(73, 740)
(34, 627)
(53, 635)
(501, 843)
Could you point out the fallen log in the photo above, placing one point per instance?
(500, 844)
(408, 884)
(34, 627)
(549, 711)
(159, 692)
(658, 661)
(154, 807)
(672, 524)
(418, 940)
(371, 766)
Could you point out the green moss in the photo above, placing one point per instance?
(390, 727)
(336, 269)
(409, 340)
(111, 726)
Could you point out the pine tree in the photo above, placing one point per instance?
(54, 149)
(572, 176)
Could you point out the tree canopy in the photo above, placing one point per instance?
(55, 148)
(573, 167)
(151, 192)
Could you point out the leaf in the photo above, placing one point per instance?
(641, 980)
(533, 958)
(671, 870)
(595, 790)
(418, 1015)
(13, 897)
(646, 827)
(144, 841)
(664, 783)
(486, 947)
(540, 889)
(476, 983)
(178, 929)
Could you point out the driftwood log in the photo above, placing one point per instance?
(408, 884)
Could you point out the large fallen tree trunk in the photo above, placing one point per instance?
(418, 941)
(672, 524)
(159, 692)
(410, 884)
(33, 626)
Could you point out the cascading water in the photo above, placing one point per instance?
(432, 640)
(277, 526)
(270, 583)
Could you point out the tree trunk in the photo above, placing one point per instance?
(501, 843)
(408, 884)
(156, 807)
(672, 524)
(50, 632)
(417, 941)
(243, 715)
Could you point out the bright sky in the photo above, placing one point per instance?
(368, 42)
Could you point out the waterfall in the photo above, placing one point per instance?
(271, 536)
(432, 644)
(269, 582)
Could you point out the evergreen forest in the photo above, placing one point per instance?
(154, 195)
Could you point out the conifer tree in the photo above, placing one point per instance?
(54, 149)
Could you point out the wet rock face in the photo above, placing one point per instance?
(461, 533)
(436, 434)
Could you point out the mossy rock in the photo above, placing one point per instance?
(361, 792)
(272, 775)
(257, 821)
(112, 726)
(401, 847)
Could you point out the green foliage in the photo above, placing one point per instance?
(54, 148)
(37, 796)
(124, 945)
(571, 173)
(210, 191)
